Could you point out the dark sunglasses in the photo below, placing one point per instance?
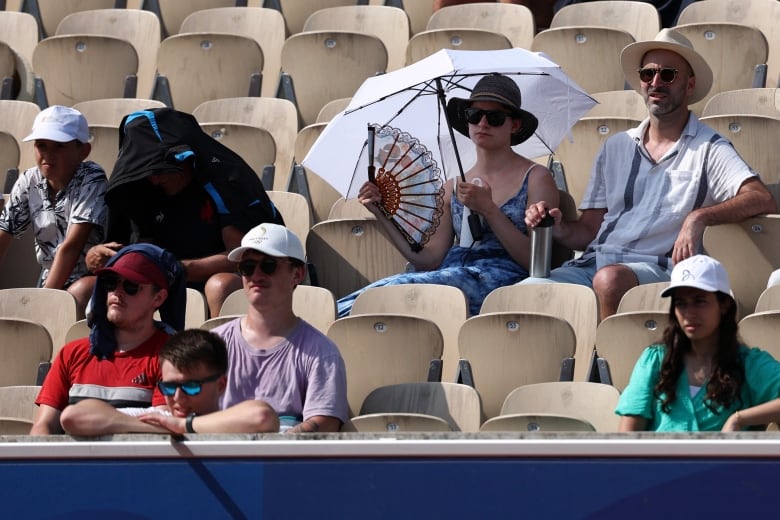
(494, 117)
(267, 265)
(168, 388)
(667, 75)
(110, 283)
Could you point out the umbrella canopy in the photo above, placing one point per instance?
(409, 99)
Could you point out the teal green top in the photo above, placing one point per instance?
(762, 384)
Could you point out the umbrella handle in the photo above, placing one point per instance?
(371, 167)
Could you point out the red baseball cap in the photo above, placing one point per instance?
(137, 268)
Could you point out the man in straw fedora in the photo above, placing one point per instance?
(655, 188)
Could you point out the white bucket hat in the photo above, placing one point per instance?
(60, 124)
(700, 272)
(670, 40)
(272, 240)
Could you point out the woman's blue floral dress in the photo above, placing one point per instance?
(475, 270)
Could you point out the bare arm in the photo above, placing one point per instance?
(47, 421)
(251, 416)
(317, 423)
(632, 423)
(431, 256)
(92, 417)
(752, 199)
(200, 269)
(763, 413)
(67, 255)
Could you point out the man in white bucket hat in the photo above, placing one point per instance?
(655, 188)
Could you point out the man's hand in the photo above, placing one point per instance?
(689, 238)
(98, 255)
(175, 425)
(534, 213)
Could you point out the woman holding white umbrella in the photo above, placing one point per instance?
(498, 188)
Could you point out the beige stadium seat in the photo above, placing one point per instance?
(574, 303)
(55, 309)
(758, 101)
(350, 254)
(204, 66)
(9, 157)
(174, 12)
(514, 21)
(539, 422)
(309, 60)
(419, 12)
(621, 339)
(423, 44)
(627, 104)
(296, 12)
(17, 409)
(348, 208)
(583, 50)
(577, 156)
(760, 330)
(24, 344)
(254, 145)
(295, 211)
(645, 297)
(314, 304)
(385, 349)
(764, 14)
(196, 310)
(111, 111)
(444, 305)
(755, 138)
(321, 195)
(140, 28)
(20, 267)
(80, 67)
(213, 323)
(591, 402)
(20, 31)
(78, 329)
(105, 146)
(266, 26)
(389, 24)
(16, 118)
(731, 50)
(639, 19)
(754, 242)
(503, 350)
(277, 116)
(332, 108)
(52, 12)
(416, 407)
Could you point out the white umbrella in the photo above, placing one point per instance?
(411, 99)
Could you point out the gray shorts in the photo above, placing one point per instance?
(583, 272)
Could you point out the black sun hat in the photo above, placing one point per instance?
(498, 88)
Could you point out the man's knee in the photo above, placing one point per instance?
(612, 281)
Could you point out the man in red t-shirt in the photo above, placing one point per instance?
(133, 287)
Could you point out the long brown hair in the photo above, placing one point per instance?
(728, 374)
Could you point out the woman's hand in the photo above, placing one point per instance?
(477, 195)
(732, 424)
(369, 195)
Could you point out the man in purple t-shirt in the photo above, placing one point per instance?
(273, 355)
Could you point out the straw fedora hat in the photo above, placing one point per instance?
(670, 40)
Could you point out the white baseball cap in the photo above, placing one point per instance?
(271, 239)
(61, 124)
(700, 272)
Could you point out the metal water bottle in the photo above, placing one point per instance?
(541, 248)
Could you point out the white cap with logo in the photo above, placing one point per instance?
(700, 272)
(60, 124)
(271, 239)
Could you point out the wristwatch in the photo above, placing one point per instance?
(188, 423)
